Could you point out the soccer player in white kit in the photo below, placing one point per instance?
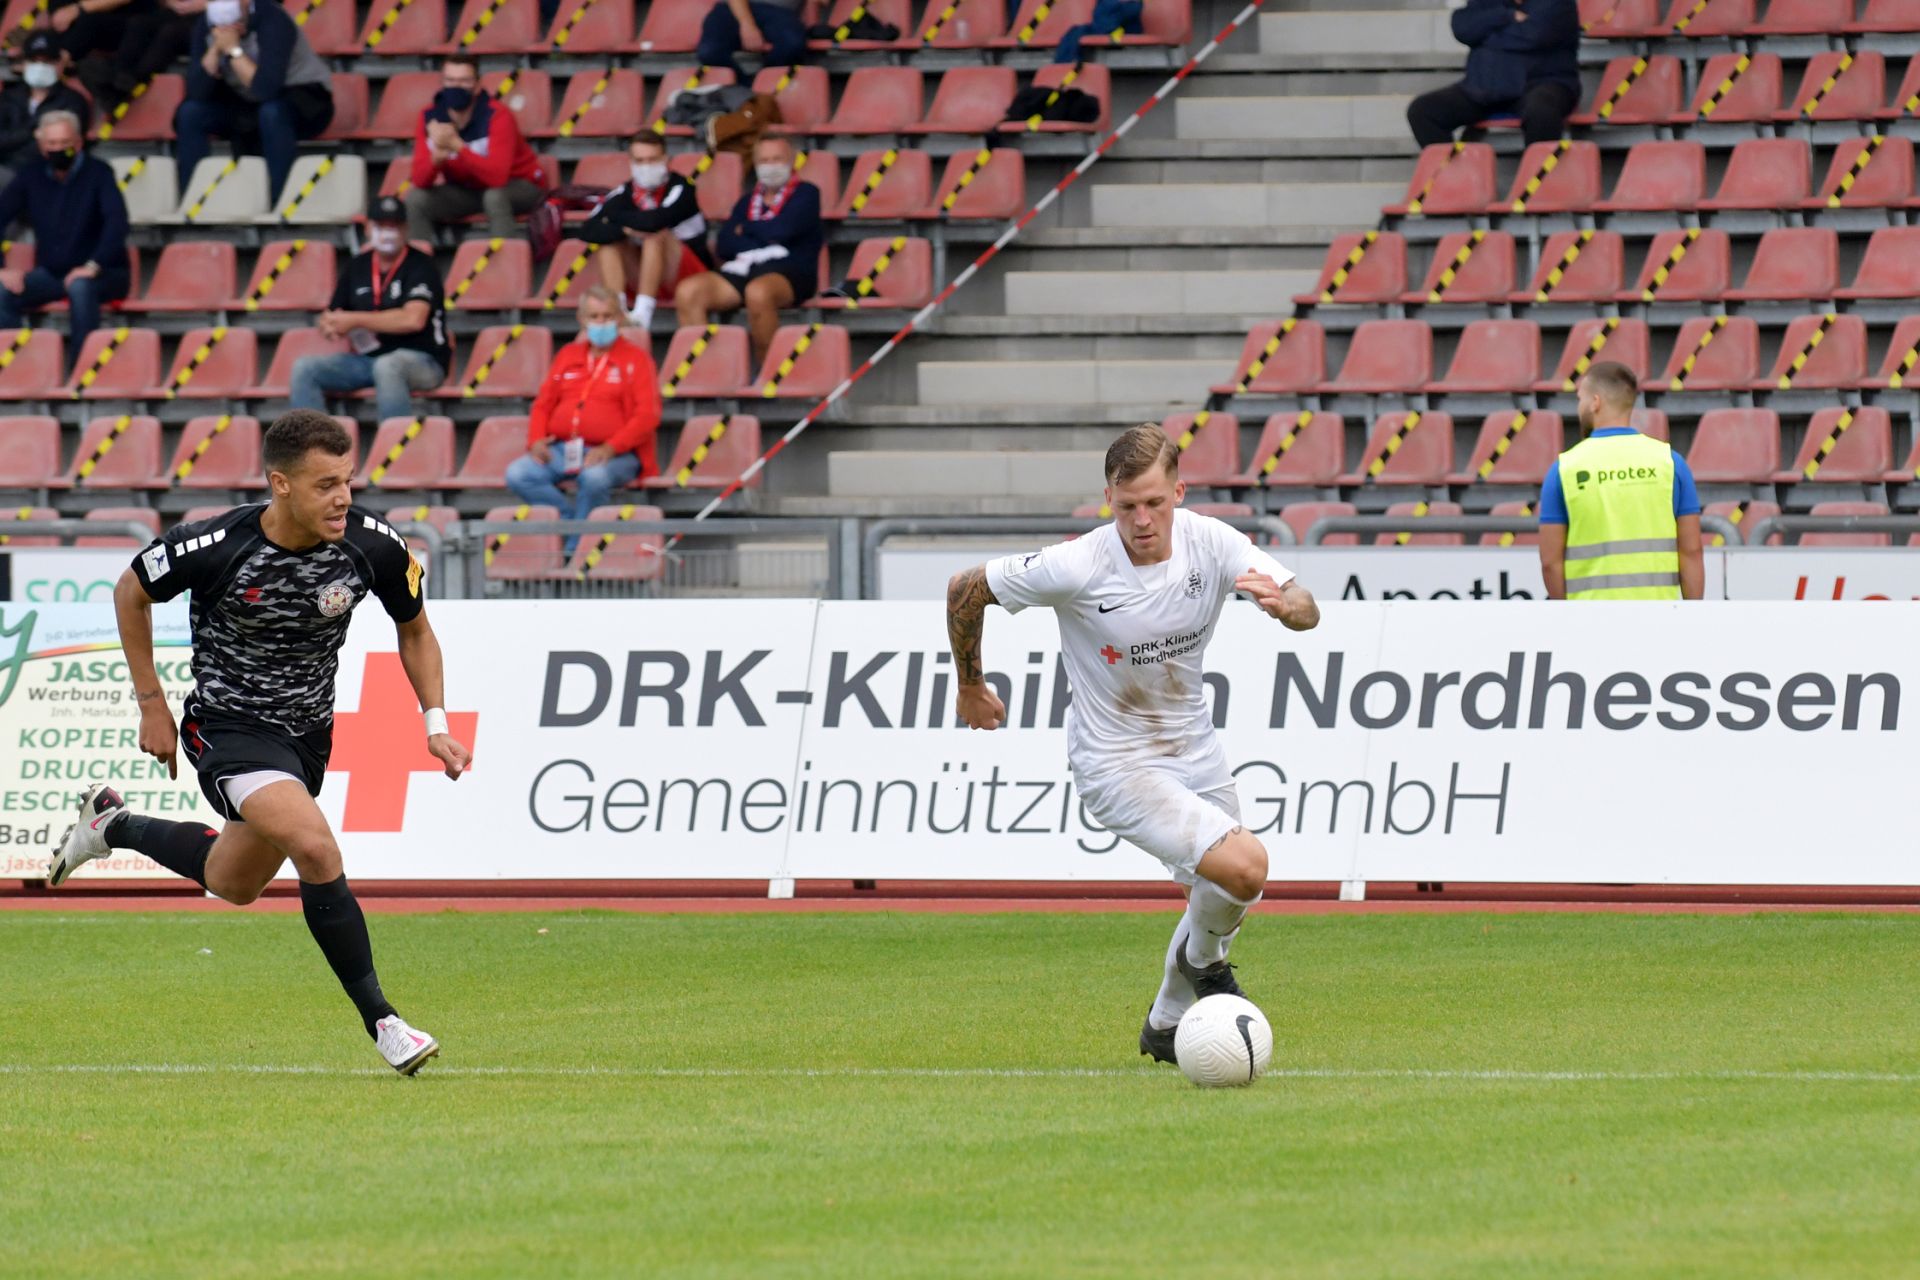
(1137, 601)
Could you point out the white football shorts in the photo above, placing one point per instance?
(1150, 804)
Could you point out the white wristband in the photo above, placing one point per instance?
(436, 720)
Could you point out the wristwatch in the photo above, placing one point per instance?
(235, 52)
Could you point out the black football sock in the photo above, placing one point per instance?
(180, 847)
(337, 924)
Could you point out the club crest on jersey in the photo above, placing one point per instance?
(335, 599)
(1195, 585)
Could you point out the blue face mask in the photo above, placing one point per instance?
(602, 335)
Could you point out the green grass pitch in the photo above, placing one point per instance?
(959, 1096)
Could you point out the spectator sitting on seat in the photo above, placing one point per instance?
(649, 230)
(389, 307)
(732, 24)
(253, 79)
(79, 225)
(85, 27)
(24, 101)
(1108, 17)
(1524, 61)
(768, 250)
(594, 419)
(152, 37)
(469, 157)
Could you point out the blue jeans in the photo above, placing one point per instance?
(394, 378)
(274, 128)
(84, 296)
(538, 483)
(720, 36)
(1107, 14)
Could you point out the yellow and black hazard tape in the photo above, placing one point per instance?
(1426, 188)
(867, 283)
(967, 176)
(407, 437)
(1520, 420)
(1665, 270)
(1508, 539)
(1301, 422)
(601, 543)
(1734, 517)
(786, 366)
(1699, 7)
(379, 33)
(485, 371)
(21, 337)
(1287, 326)
(499, 540)
(1725, 87)
(192, 460)
(685, 367)
(845, 29)
(565, 33)
(1827, 446)
(1392, 445)
(1420, 509)
(201, 355)
(1547, 165)
(1621, 90)
(1346, 269)
(1858, 167)
(1560, 268)
(1038, 118)
(1600, 21)
(100, 361)
(300, 18)
(1898, 378)
(928, 36)
(19, 513)
(586, 104)
(473, 272)
(1707, 335)
(193, 210)
(134, 170)
(280, 267)
(307, 188)
(565, 282)
(1025, 36)
(1812, 104)
(1595, 345)
(1454, 268)
(105, 447)
(120, 111)
(32, 16)
(659, 125)
(481, 22)
(1805, 354)
(701, 450)
(888, 159)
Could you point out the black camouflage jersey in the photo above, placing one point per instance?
(268, 623)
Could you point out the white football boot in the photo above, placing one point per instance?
(86, 839)
(405, 1049)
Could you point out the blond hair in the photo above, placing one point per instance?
(1138, 450)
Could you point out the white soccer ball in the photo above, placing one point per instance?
(1222, 1041)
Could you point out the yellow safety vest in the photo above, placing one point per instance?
(1621, 532)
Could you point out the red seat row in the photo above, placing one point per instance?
(1301, 516)
(1745, 88)
(1642, 19)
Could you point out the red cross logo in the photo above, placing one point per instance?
(1111, 654)
(382, 745)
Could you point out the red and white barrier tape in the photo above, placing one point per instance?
(1007, 237)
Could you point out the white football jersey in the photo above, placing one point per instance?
(1133, 637)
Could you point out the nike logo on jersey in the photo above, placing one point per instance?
(1109, 608)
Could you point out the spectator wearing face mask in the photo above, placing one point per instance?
(253, 79)
(768, 250)
(79, 225)
(389, 306)
(469, 157)
(650, 232)
(23, 102)
(594, 420)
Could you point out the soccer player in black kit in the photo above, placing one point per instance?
(272, 589)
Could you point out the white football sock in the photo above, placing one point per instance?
(1176, 993)
(1213, 915)
(642, 313)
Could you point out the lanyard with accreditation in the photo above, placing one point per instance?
(573, 448)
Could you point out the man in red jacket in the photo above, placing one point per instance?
(469, 157)
(594, 420)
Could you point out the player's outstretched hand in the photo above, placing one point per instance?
(160, 738)
(1287, 602)
(980, 707)
(450, 753)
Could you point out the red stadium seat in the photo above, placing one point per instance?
(907, 281)
(424, 462)
(896, 13)
(440, 519)
(718, 188)
(1743, 515)
(822, 367)
(116, 453)
(573, 270)
(1091, 79)
(608, 169)
(517, 557)
(220, 452)
(974, 25)
(1296, 367)
(725, 461)
(720, 369)
(1728, 360)
(1516, 446)
(1212, 458)
(13, 515)
(398, 177)
(39, 362)
(529, 97)
(194, 515)
(1793, 263)
(403, 97)
(996, 190)
(671, 28)
(503, 364)
(1042, 30)
(144, 516)
(1378, 276)
(1903, 354)
(1415, 512)
(1831, 350)
(970, 100)
(1847, 539)
(1406, 448)
(1731, 94)
(215, 363)
(877, 100)
(1625, 342)
(1894, 16)
(1890, 268)
(805, 103)
(1843, 446)
(1804, 17)
(599, 104)
(489, 275)
(628, 557)
(1765, 173)
(1701, 274)
(405, 28)
(1485, 275)
(1906, 99)
(1654, 97)
(1386, 356)
(1593, 274)
(822, 169)
(601, 28)
(1571, 186)
(1659, 176)
(1449, 179)
(1717, 18)
(1493, 356)
(31, 459)
(1736, 446)
(489, 26)
(1169, 23)
(904, 189)
(1884, 180)
(351, 106)
(130, 369)
(149, 117)
(1859, 89)
(1620, 19)
(1510, 539)
(1652, 423)
(330, 26)
(1301, 449)
(497, 441)
(675, 81)
(1301, 517)
(293, 344)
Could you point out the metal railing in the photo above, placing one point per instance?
(1790, 527)
(1319, 530)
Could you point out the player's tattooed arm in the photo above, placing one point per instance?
(1289, 602)
(968, 596)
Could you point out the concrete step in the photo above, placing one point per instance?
(982, 382)
(1047, 293)
(1374, 32)
(1328, 117)
(885, 474)
(1336, 204)
(1024, 417)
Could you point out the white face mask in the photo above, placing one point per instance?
(384, 239)
(41, 75)
(773, 175)
(649, 176)
(224, 13)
